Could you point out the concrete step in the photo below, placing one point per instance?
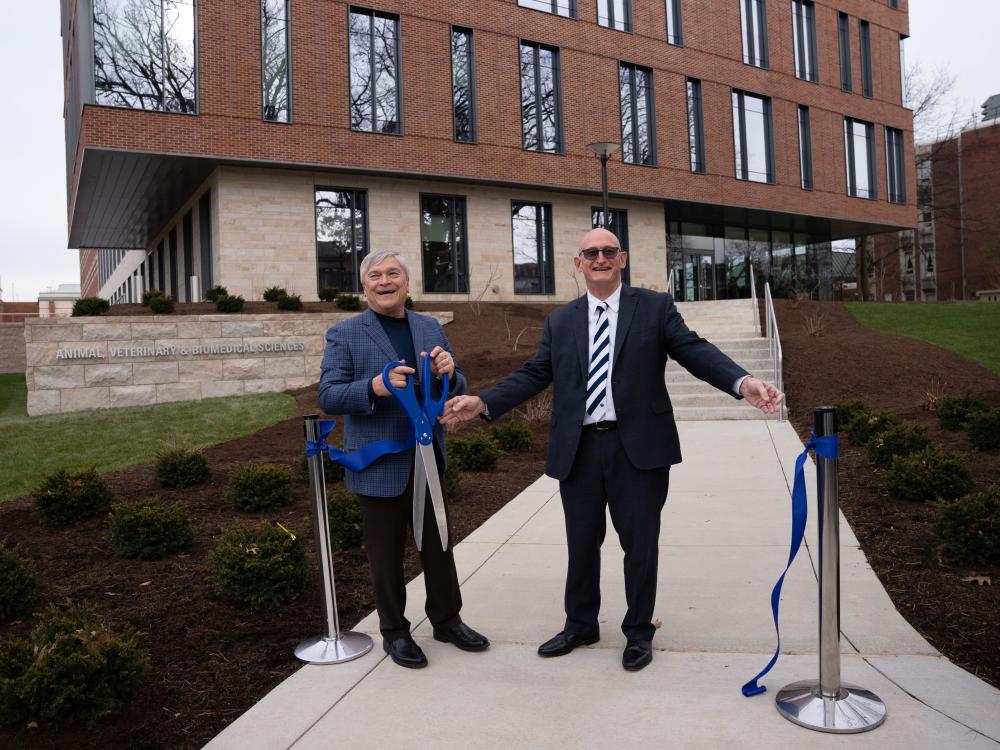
(739, 411)
(675, 378)
(750, 363)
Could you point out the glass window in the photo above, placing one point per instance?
(805, 149)
(463, 84)
(859, 142)
(753, 25)
(274, 47)
(442, 244)
(635, 85)
(865, 44)
(696, 128)
(541, 106)
(895, 166)
(615, 14)
(804, 39)
(752, 137)
(144, 55)
(844, 34)
(675, 29)
(902, 70)
(341, 237)
(565, 8)
(532, 233)
(618, 226)
(375, 102)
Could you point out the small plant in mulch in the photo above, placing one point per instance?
(90, 306)
(329, 293)
(984, 430)
(953, 412)
(477, 452)
(179, 467)
(332, 472)
(213, 294)
(147, 297)
(408, 303)
(161, 305)
(969, 527)
(452, 479)
(929, 474)
(259, 487)
(512, 437)
(73, 668)
(344, 511)
(847, 411)
(290, 302)
(865, 426)
(274, 293)
(348, 302)
(261, 566)
(67, 497)
(148, 529)
(229, 304)
(898, 440)
(18, 582)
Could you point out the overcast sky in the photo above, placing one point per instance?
(960, 35)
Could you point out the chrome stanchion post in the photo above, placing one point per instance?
(829, 705)
(335, 646)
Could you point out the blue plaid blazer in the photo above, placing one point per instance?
(356, 351)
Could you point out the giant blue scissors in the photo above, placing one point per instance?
(425, 469)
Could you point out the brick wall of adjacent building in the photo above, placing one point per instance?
(89, 282)
(12, 347)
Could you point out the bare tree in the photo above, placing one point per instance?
(475, 304)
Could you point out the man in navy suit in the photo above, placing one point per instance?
(357, 350)
(612, 437)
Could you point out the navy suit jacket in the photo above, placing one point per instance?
(650, 329)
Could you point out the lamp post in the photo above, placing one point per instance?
(602, 150)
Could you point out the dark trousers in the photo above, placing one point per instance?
(602, 476)
(386, 521)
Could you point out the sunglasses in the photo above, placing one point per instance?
(609, 253)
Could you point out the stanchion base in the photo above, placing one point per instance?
(324, 650)
(854, 710)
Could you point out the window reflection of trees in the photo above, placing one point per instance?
(540, 116)
(144, 56)
(442, 239)
(636, 107)
(461, 72)
(374, 72)
(274, 59)
(532, 235)
(341, 237)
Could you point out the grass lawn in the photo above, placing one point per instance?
(31, 448)
(971, 329)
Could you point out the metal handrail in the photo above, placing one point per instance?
(774, 345)
(753, 299)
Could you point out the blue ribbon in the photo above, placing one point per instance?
(359, 459)
(825, 446)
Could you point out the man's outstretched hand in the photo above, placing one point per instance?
(761, 394)
(461, 409)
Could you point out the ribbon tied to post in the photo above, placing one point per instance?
(355, 460)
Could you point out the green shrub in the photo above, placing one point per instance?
(348, 302)
(847, 411)
(344, 511)
(477, 452)
(898, 440)
(147, 297)
(865, 426)
(408, 304)
(329, 293)
(261, 566)
(18, 582)
(274, 293)
(90, 306)
(969, 527)
(512, 437)
(333, 472)
(452, 479)
(213, 294)
(73, 668)
(65, 497)
(257, 487)
(984, 430)
(148, 529)
(928, 475)
(954, 412)
(227, 304)
(179, 467)
(290, 302)
(161, 305)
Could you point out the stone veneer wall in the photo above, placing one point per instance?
(58, 385)
(12, 347)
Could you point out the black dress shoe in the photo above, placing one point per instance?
(405, 652)
(462, 636)
(637, 654)
(565, 642)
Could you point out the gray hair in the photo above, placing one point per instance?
(376, 257)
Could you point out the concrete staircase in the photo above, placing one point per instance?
(729, 325)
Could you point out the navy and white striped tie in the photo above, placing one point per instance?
(600, 358)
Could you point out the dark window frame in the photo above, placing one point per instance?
(804, 39)
(373, 13)
(742, 144)
(574, 10)
(865, 52)
(755, 36)
(696, 125)
(355, 280)
(844, 42)
(621, 234)
(465, 269)
(805, 147)
(288, 65)
(849, 155)
(205, 233)
(474, 134)
(187, 236)
(557, 81)
(895, 165)
(633, 70)
(547, 262)
(611, 20)
(674, 14)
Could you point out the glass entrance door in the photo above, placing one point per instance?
(698, 277)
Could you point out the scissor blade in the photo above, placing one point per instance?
(437, 496)
(419, 499)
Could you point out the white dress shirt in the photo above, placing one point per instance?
(605, 411)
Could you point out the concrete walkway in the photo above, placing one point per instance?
(723, 544)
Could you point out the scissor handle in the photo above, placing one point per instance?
(433, 408)
(408, 399)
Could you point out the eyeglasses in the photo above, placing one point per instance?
(609, 253)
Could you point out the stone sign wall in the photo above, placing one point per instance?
(75, 364)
